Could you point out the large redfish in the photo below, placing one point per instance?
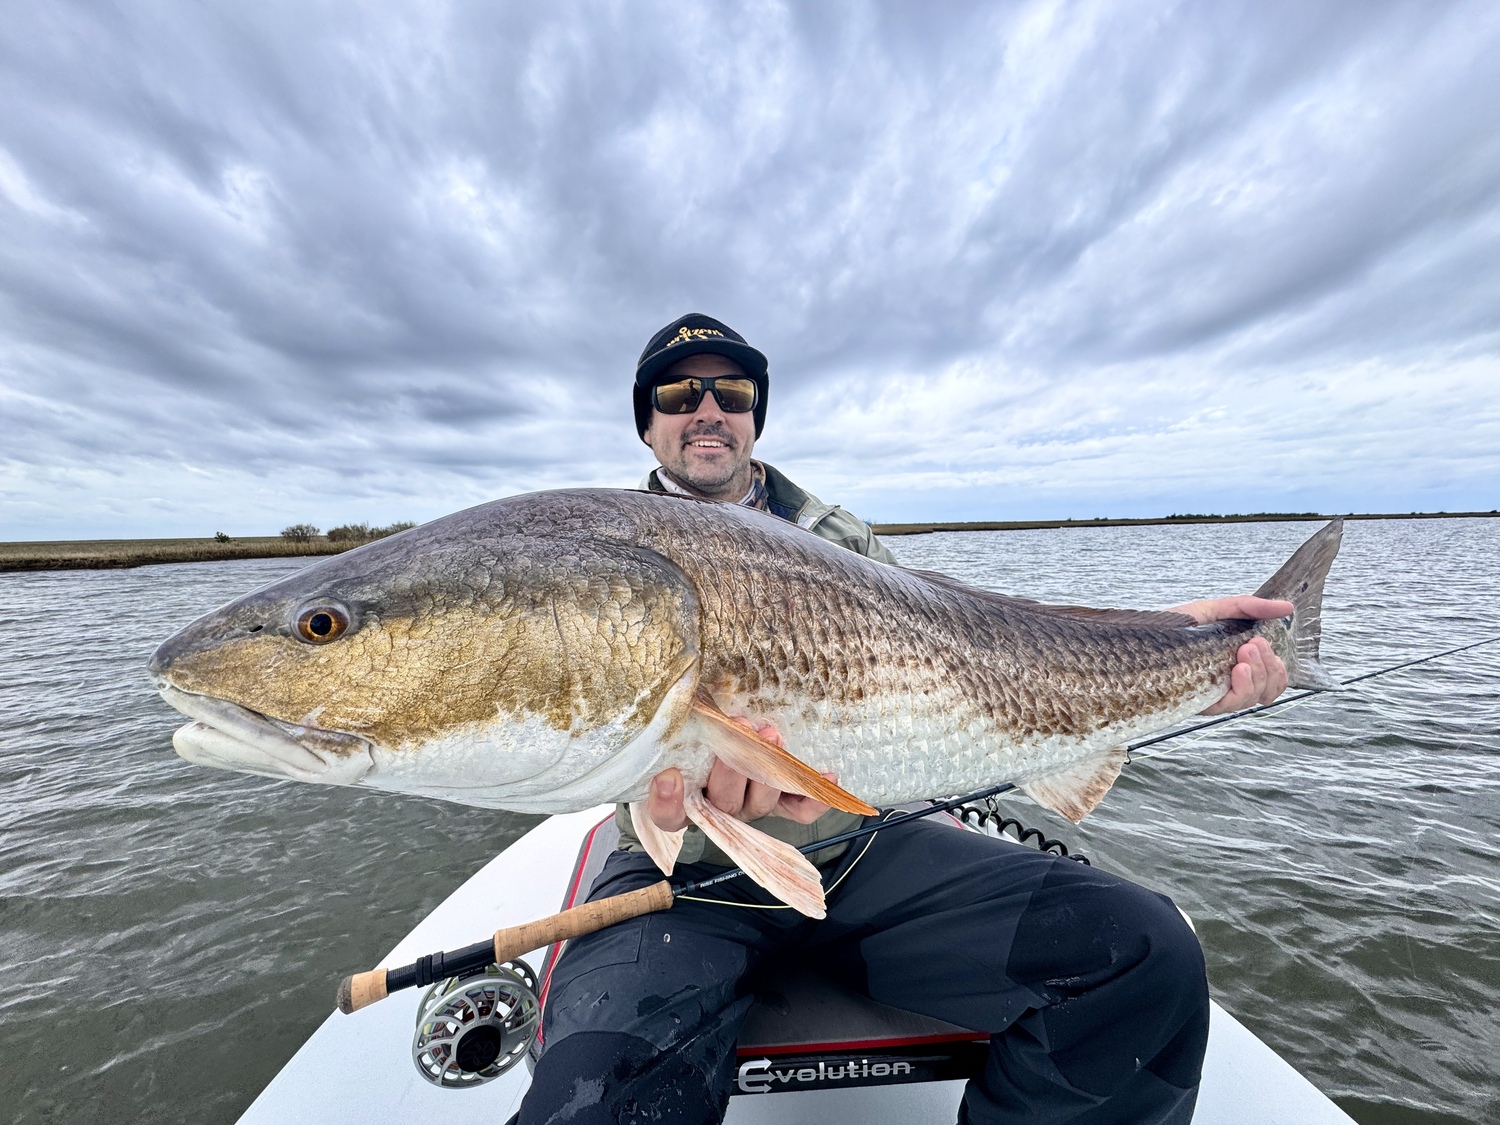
(554, 651)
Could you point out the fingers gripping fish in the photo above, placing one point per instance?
(554, 651)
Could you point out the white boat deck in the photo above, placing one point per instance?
(358, 1068)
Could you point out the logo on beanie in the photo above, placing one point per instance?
(686, 335)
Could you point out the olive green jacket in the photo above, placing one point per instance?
(827, 521)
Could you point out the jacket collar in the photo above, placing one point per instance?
(783, 498)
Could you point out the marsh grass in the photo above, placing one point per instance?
(363, 532)
(108, 554)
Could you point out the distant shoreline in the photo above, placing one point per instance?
(114, 554)
(1157, 521)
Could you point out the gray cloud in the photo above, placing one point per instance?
(283, 262)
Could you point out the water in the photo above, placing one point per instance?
(171, 934)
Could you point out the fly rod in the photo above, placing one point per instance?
(362, 989)
(1288, 700)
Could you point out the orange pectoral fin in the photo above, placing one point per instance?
(767, 763)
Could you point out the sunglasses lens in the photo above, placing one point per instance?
(735, 396)
(681, 397)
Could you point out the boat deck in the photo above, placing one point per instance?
(358, 1069)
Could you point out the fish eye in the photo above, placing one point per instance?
(321, 623)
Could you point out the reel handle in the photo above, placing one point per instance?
(363, 989)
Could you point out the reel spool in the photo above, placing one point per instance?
(473, 1029)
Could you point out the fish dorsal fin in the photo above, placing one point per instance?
(1075, 791)
(774, 865)
(741, 748)
(1145, 618)
(661, 845)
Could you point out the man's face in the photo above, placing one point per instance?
(708, 450)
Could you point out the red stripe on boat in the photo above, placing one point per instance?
(861, 1044)
(572, 900)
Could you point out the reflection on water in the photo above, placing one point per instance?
(171, 933)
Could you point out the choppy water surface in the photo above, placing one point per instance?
(170, 933)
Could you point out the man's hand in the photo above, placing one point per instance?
(732, 792)
(1260, 676)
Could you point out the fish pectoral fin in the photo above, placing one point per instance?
(660, 845)
(774, 865)
(740, 747)
(1075, 791)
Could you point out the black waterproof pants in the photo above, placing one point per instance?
(1093, 989)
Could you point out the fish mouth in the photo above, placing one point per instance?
(228, 736)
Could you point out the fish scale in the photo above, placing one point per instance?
(553, 651)
(965, 673)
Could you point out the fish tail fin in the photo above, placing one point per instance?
(1300, 581)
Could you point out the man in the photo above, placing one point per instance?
(1092, 988)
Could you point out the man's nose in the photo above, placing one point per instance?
(708, 409)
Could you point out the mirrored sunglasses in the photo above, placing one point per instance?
(735, 394)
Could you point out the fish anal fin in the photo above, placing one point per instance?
(774, 865)
(660, 845)
(1075, 791)
(740, 747)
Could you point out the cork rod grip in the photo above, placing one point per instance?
(360, 990)
(363, 989)
(585, 919)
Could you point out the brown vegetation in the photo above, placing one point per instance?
(106, 554)
(363, 532)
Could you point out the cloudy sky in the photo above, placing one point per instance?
(271, 262)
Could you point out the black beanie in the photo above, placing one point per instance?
(696, 334)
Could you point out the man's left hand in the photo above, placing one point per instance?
(1260, 676)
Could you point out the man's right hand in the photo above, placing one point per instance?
(732, 792)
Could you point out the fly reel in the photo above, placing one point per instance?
(473, 1029)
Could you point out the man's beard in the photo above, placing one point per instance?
(708, 478)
